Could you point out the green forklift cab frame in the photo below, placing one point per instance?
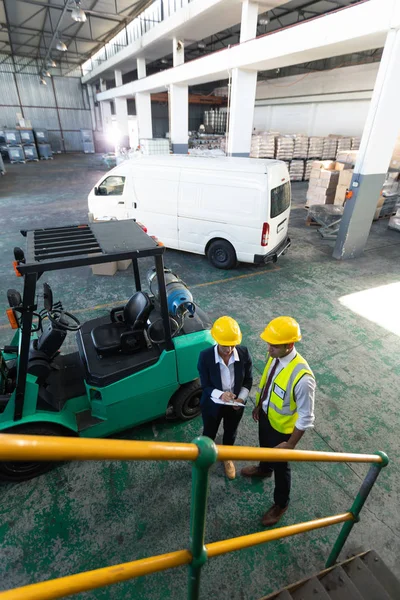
(77, 246)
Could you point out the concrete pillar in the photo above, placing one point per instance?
(376, 148)
(178, 52)
(143, 105)
(143, 112)
(92, 106)
(241, 113)
(118, 77)
(105, 110)
(248, 26)
(141, 67)
(179, 117)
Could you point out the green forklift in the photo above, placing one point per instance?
(134, 365)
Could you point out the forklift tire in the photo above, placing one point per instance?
(221, 254)
(22, 471)
(186, 401)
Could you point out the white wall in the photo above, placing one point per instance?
(335, 101)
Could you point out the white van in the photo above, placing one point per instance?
(231, 209)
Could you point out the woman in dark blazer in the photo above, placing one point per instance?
(226, 377)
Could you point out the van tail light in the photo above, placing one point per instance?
(265, 234)
(142, 226)
(12, 318)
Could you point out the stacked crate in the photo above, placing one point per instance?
(14, 146)
(28, 144)
(43, 145)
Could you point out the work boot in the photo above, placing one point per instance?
(255, 471)
(230, 470)
(273, 515)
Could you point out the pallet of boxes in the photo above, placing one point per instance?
(325, 177)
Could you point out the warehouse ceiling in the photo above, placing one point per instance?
(27, 26)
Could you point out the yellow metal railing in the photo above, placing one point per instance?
(203, 452)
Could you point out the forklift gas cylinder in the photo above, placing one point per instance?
(179, 297)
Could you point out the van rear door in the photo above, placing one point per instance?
(275, 228)
(155, 200)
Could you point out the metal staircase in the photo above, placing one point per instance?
(362, 577)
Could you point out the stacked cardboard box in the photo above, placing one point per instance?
(284, 147)
(323, 181)
(315, 147)
(296, 170)
(300, 146)
(329, 148)
(344, 181)
(324, 178)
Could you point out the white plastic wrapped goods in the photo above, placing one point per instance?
(344, 144)
(355, 143)
(284, 147)
(263, 145)
(315, 147)
(307, 169)
(329, 148)
(300, 149)
(296, 170)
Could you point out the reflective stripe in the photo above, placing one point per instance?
(285, 410)
(298, 368)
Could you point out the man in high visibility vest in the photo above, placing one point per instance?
(284, 407)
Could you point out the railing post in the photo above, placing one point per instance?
(358, 503)
(200, 473)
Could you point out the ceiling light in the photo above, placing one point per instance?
(164, 61)
(263, 21)
(45, 73)
(51, 63)
(43, 81)
(61, 46)
(77, 13)
(201, 45)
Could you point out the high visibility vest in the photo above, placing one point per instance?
(282, 407)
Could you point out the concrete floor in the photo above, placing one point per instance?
(87, 515)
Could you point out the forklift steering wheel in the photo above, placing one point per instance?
(63, 320)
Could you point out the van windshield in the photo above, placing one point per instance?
(280, 199)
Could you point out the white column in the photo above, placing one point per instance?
(248, 26)
(178, 52)
(118, 77)
(105, 109)
(376, 148)
(241, 114)
(143, 105)
(179, 117)
(92, 106)
(141, 67)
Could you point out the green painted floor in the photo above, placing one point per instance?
(87, 515)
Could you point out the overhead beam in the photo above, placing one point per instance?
(100, 15)
(356, 28)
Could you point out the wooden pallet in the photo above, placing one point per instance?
(311, 223)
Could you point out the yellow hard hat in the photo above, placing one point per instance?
(282, 330)
(226, 332)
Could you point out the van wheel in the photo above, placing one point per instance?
(186, 401)
(16, 471)
(221, 254)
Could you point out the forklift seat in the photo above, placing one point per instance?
(125, 333)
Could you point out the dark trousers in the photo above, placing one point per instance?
(269, 438)
(231, 419)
